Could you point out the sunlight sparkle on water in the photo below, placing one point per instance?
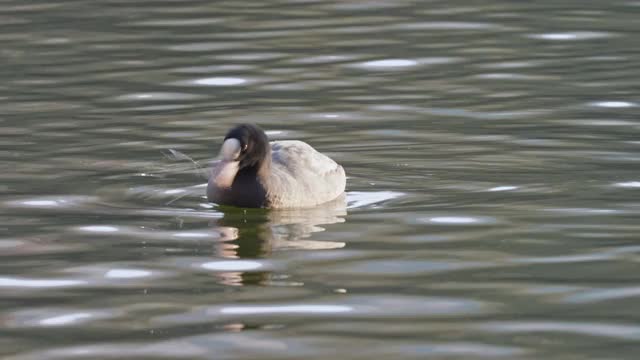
(462, 220)
(37, 283)
(48, 202)
(389, 63)
(568, 36)
(220, 81)
(356, 199)
(232, 265)
(41, 203)
(503, 188)
(99, 228)
(64, 319)
(173, 191)
(628, 184)
(613, 104)
(290, 309)
(126, 273)
(192, 235)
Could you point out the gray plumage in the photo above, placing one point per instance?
(280, 174)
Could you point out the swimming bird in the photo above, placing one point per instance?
(255, 173)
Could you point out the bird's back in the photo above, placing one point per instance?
(301, 176)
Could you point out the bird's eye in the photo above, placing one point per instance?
(244, 148)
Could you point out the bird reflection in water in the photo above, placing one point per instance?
(256, 233)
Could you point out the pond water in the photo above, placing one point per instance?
(492, 204)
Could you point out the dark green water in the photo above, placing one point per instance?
(492, 150)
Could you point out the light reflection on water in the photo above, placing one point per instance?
(37, 283)
(491, 208)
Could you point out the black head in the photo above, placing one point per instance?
(254, 143)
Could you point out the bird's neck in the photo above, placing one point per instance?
(257, 171)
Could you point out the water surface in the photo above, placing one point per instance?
(491, 207)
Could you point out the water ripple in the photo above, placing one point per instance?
(290, 309)
(572, 36)
(219, 81)
(606, 330)
(613, 104)
(14, 282)
(235, 265)
(491, 150)
(628, 184)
